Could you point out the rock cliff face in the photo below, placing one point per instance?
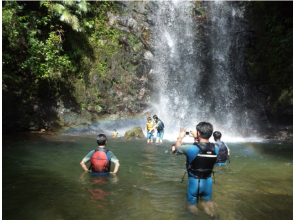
(141, 61)
(130, 86)
(119, 82)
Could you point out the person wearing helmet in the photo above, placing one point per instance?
(159, 125)
(148, 128)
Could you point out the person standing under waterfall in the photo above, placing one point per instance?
(200, 160)
(159, 125)
(223, 150)
(100, 158)
(148, 130)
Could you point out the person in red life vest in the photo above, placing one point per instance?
(100, 158)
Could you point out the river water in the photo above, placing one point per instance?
(42, 179)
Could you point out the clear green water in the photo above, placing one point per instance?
(42, 179)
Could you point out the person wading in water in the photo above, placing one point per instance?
(200, 160)
(100, 158)
(159, 125)
(223, 150)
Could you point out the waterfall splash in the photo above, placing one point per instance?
(200, 68)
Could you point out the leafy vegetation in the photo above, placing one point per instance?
(50, 49)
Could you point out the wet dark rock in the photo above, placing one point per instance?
(134, 133)
(276, 132)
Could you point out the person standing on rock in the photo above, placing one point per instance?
(200, 160)
(159, 125)
(100, 158)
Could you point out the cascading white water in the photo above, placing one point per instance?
(199, 68)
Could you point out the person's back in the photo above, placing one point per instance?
(100, 158)
(201, 157)
(159, 125)
(223, 150)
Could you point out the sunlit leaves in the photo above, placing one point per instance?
(68, 11)
(70, 19)
(58, 8)
(83, 6)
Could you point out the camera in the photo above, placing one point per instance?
(188, 133)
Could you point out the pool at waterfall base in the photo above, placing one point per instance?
(42, 179)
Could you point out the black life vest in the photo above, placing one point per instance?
(202, 165)
(159, 128)
(100, 161)
(222, 155)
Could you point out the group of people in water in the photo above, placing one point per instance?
(151, 126)
(201, 157)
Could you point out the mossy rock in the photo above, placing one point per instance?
(134, 133)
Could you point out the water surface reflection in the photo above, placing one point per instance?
(42, 177)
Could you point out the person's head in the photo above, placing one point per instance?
(155, 117)
(204, 129)
(149, 119)
(173, 148)
(114, 130)
(101, 139)
(217, 135)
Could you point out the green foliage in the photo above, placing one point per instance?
(133, 40)
(65, 9)
(82, 106)
(52, 49)
(45, 59)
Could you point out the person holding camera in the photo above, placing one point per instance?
(200, 160)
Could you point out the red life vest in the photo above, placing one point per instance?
(100, 161)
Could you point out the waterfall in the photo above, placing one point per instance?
(200, 68)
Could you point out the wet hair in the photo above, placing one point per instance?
(114, 129)
(217, 135)
(205, 129)
(155, 117)
(101, 139)
(173, 145)
(149, 118)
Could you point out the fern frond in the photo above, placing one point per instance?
(70, 19)
(46, 3)
(83, 6)
(75, 22)
(58, 8)
(68, 2)
(65, 16)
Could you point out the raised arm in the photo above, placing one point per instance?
(182, 134)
